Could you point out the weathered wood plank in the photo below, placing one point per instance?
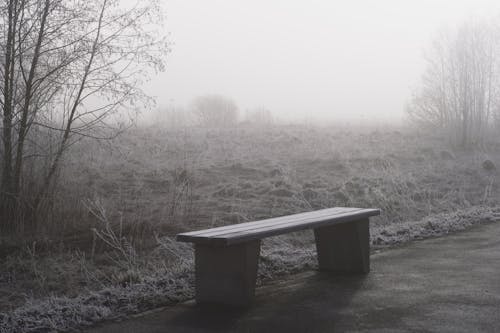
(270, 222)
(284, 224)
(206, 232)
(254, 231)
(236, 238)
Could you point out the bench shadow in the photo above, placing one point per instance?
(311, 302)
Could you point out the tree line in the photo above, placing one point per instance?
(459, 94)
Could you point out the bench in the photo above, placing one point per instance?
(226, 258)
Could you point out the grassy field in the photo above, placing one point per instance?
(160, 179)
(108, 249)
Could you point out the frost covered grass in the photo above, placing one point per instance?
(109, 250)
(434, 225)
(62, 313)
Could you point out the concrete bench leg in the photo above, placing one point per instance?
(226, 275)
(344, 247)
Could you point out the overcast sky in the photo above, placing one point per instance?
(356, 59)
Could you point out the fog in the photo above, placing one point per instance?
(364, 133)
(305, 60)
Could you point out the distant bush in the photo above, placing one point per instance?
(489, 165)
(215, 111)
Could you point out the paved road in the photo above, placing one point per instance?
(449, 284)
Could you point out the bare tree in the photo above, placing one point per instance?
(460, 88)
(69, 69)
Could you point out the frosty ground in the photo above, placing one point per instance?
(109, 252)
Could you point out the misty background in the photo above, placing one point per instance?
(336, 60)
(263, 109)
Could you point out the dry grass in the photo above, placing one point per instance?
(158, 178)
(108, 250)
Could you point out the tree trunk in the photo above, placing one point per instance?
(7, 195)
(23, 128)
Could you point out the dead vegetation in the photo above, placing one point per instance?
(108, 249)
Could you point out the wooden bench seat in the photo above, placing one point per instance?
(226, 258)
